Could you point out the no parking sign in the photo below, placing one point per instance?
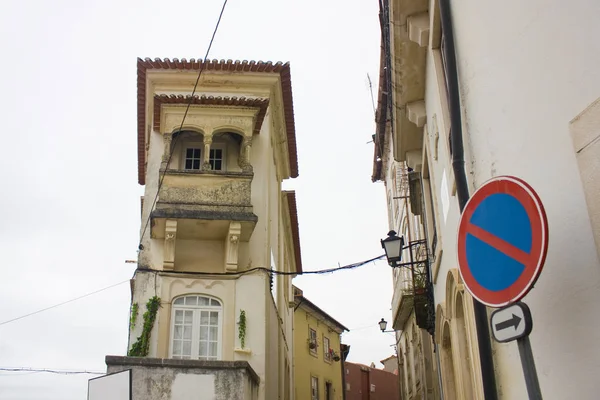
(502, 241)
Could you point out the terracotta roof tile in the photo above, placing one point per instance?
(259, 103)
(283, 69)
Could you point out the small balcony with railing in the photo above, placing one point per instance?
(204, 210)
(413, 289)
(205, 185)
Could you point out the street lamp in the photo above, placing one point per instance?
(393, 245)
(383, 325)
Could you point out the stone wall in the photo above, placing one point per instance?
(169, 379)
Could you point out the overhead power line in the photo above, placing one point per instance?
(271, 271)
(275, 272)
(189, 104)
(63, 303)
(49, 370)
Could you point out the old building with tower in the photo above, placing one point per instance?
(208, 314)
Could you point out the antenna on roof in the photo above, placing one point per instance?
(372, 98)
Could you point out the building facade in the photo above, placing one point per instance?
(215, 220)
(390, 364)
(318, 355)
(369, 383)
(528, 92)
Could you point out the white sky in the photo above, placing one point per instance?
(69, 208)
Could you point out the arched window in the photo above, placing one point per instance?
(463, 342)
(448, 377)
(196, 328)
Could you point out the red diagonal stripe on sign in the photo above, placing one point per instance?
(499, 244)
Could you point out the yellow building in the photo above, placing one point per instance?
(317, 352)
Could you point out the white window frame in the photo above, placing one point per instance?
(191, 145)
(203, 157)
(223, 148)
(314, 351)
(326, 349)
(314, 388)
(195, 325)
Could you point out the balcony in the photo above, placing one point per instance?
(413, 289)
(403, 299)
(204, 203)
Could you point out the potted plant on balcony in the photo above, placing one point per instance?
(419, 283)
(333, 355)
(312, 344)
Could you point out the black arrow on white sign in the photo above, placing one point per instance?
(514, 322)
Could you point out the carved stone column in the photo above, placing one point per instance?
(170, 238)
(167, 152)
(231, 246)
(207, 143)
(244, 158)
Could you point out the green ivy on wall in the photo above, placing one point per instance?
(135, 310)
(142, 345)
(242, 328)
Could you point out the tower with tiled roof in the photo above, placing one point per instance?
(215, 219)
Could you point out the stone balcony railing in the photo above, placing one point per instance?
(204, 195)
(158, 379)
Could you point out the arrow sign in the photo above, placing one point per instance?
(511, 323)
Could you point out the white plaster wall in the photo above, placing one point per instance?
(526, 70)
(152, 254)
(261, 158)
(273, 343)
(200, 255)
(250, 298)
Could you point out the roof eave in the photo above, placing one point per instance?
(283, 69)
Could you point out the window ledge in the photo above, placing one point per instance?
(196, 172)
(243, 351)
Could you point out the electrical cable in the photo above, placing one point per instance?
(201, 68)
(324, 271)
(271, 271)
(50, 370)
(63, 303)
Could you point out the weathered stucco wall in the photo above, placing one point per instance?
(164, 379)
(201, 242)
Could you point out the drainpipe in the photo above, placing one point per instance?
(462, 190)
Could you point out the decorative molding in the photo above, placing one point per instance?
(418, 29)
(207, 119)
(416, 113)
(244, 158)
(232, 245)
(169, 250)
(436, 136)
(207, 139)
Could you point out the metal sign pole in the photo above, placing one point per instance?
(515, 323)
(528, 363)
